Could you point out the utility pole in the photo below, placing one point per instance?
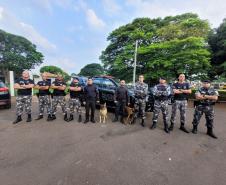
(135, 63)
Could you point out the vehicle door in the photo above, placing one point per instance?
(108, 91)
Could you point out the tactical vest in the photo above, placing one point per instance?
(161, 96)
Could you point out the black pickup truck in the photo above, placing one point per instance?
(107, 86)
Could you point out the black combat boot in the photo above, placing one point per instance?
(49, 118)
(39, 117)
(29, 119)
(183, 128)
(18, 119)
(153, 125)
(80, 118)
(171, 126)
(210, 133)
(166, 128)
(115, 119)
(86, 120)
(142, 123)
(53, 117)
(194, 130)
(65, 117)
(122, 120)
(93, 120)
(70, 118)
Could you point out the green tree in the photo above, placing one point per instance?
(217, 42)
(166, 46)
(55, 70)
(93, 69)
(17, 53)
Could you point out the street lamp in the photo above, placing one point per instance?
(135, 62)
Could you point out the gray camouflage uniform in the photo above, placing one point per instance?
(59, 98)
(24, 98)
(161, 93)
(44, 98)
(23, 102)
(141, 93)
(206, 107)
(180, 102)
(44, 101)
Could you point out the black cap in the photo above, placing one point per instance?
(162, 78)
(75, 78)
(206, 81)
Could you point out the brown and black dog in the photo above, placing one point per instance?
(130, 115)
(103, 113)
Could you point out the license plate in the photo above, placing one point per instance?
(3, 92)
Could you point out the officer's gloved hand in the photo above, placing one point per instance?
(115, 102)
(98, 101)
(84, 103)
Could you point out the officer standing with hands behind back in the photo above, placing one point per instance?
(121, 100)
(91, 97)
(141, 93)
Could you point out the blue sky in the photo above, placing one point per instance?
(72, 33)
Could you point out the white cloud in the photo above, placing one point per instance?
(10, 23)
(111, 7)
(66, 64)
(214, 11)
(93, 20)
(48, 5)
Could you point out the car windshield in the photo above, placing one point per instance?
(83, 80)
(117, 81)
(2, 84)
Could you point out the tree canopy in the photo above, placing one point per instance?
(166, 47)
(93, 69)
(55, 70)
(217, 42)
(17, 53)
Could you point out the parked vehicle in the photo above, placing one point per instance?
(5, 98)
(107, 86)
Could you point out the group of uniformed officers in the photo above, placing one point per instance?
(206, 97)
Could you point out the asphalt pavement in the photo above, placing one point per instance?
(61, 153)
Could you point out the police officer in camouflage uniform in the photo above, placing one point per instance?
(161, 94)
(181, 89)
(141, 94)
(206, 96)
(74, 102)
(44, 97)
(59, 87)
(24, 87)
